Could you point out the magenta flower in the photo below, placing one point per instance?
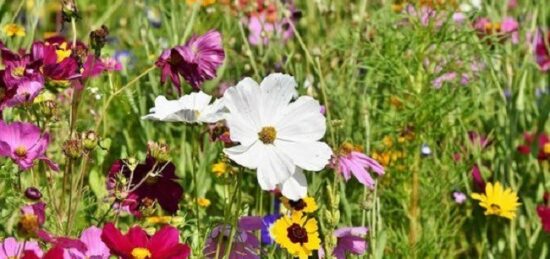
(261, 30)
(10, 248)
(164, 244)
(510, 26)
(351, 240)
(541, 51)
(544, 215)
(32, 219)
(351, 161)
(197, 60)
(111, 64)
(152, 180)
(245, 243)
(24, 143)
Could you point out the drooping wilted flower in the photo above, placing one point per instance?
(245, 243)
(136, 243)
(350, 240)
(191, 108)
(277, 137)
(24, 143)
(197, 60)
(350, 160)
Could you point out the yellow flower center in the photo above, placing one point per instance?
(267, 135)
(62, 52)
(29, 223)
(18, 72)
(141, 253)
(546, 148)
(21, 151)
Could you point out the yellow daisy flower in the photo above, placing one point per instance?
(12, 29)
(203, 2)
(222, 169)
(203, 202)
(306, 204)
(297, 234)
(498, 201)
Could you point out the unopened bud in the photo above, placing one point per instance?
(69, 10)
(158, 151)
(72, 148)
(89, 140)
(98, 38)
(33, 193)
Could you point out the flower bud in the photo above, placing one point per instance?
(72, 148)
(33, 193)
(98, 38)
(89, 140)
(158, 151)
(69, 10)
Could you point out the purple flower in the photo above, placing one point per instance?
(24, 143)
(459, 197)
(197, 60)
(245, 243)
(350, 240)
(267, 221)
(111, 64)
(32, 219)
(261, 30)
(352, 161)
(10, 248)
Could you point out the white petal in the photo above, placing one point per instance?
(274, 167)
(213, 113)
(295, 187)
(164, 110)
(247, 156)
(312, 156)
(195, 101)
(277, 91)
(243, 103)
(302, 121)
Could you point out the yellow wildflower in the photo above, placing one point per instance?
(12, 29)
(203, 2)
(297, 234)
(203, 202)
(306, 204)
(498, 201)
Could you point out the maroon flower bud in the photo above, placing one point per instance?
(98, 38)
(72, 148)
(33, 193)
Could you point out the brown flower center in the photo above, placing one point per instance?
(29, 223)
(297, 205)
(297, 234)
(267, 135)
(495, 207)
(21, 151)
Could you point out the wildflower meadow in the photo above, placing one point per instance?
(154, 129)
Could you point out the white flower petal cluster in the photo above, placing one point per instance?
(191, 108)
(277, 137)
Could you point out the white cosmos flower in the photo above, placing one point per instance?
(191, 108)
(277, 137)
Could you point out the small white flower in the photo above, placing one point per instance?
(191, 108)
(470, 5)
(277, 137)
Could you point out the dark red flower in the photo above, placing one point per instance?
(541, 51)
(151, 180)
(542, 145)
(136, 244)
(544, 214)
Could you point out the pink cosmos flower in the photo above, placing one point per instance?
(197, 60)
(24, 143)
(164, 244)
(95, 248)
(245, 243)
(510, 26)
(541, 51)
(10, 248)
(261, 30)
(111, 64)
(350, 240)
(351, 161)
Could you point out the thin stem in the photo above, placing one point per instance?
(236, 218)
(73, 26)
(119, 91)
